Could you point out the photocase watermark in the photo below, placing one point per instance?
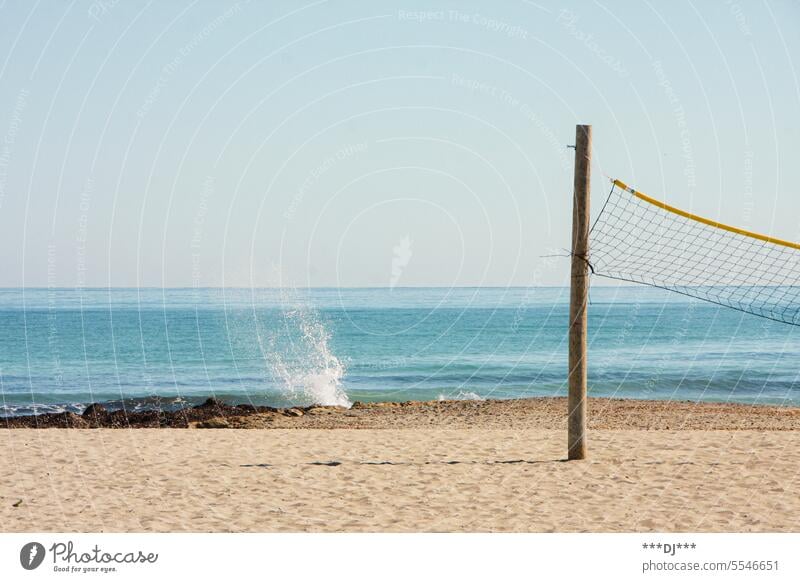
(741, 20)
(57, 370)
(343, 153)
(527, 112)
(421, 15)
(474, 18)
(168, 70)
(66, 558)
(483, 88)
(31, 555)
(749, 203)
(389, 363)
(546, 265)
(689, 170)
(684, 328)
(569, 20)
(489, 23)
(197, 230)
(81, 237)
(10, 139)
(99, 8)
(402, 253)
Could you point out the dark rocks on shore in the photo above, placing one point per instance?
(211, 402)
(68, 420)
(211, 412)
(539, 413)
(95, 414)
(214, 423)
(51, 420)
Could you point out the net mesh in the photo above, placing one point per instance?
(637, 240)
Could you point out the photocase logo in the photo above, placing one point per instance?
(31, 555)
(402, 255)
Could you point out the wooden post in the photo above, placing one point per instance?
(579, 294)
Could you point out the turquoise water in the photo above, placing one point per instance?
(61, 349)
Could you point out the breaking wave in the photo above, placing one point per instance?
(302, 360)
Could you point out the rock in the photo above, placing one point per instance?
(95, 408)
(358, 404)
(68, 420)
(294, 412)
(211, 403)
(323, 409)
(95, 413)
(216, 422)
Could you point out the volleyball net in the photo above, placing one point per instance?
(639, 239)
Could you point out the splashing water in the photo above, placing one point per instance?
(461, 395)
(310, 372)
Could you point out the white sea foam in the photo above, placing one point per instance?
(302, 359)
(461, 395)
(28, 408)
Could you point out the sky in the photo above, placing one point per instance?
(356, 144)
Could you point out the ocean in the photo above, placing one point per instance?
(61, 349)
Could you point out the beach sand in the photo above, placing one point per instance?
(465, 466)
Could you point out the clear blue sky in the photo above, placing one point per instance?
(357, 144)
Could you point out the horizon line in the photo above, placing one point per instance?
(104, 287)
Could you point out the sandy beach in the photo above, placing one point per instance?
(448, 466)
